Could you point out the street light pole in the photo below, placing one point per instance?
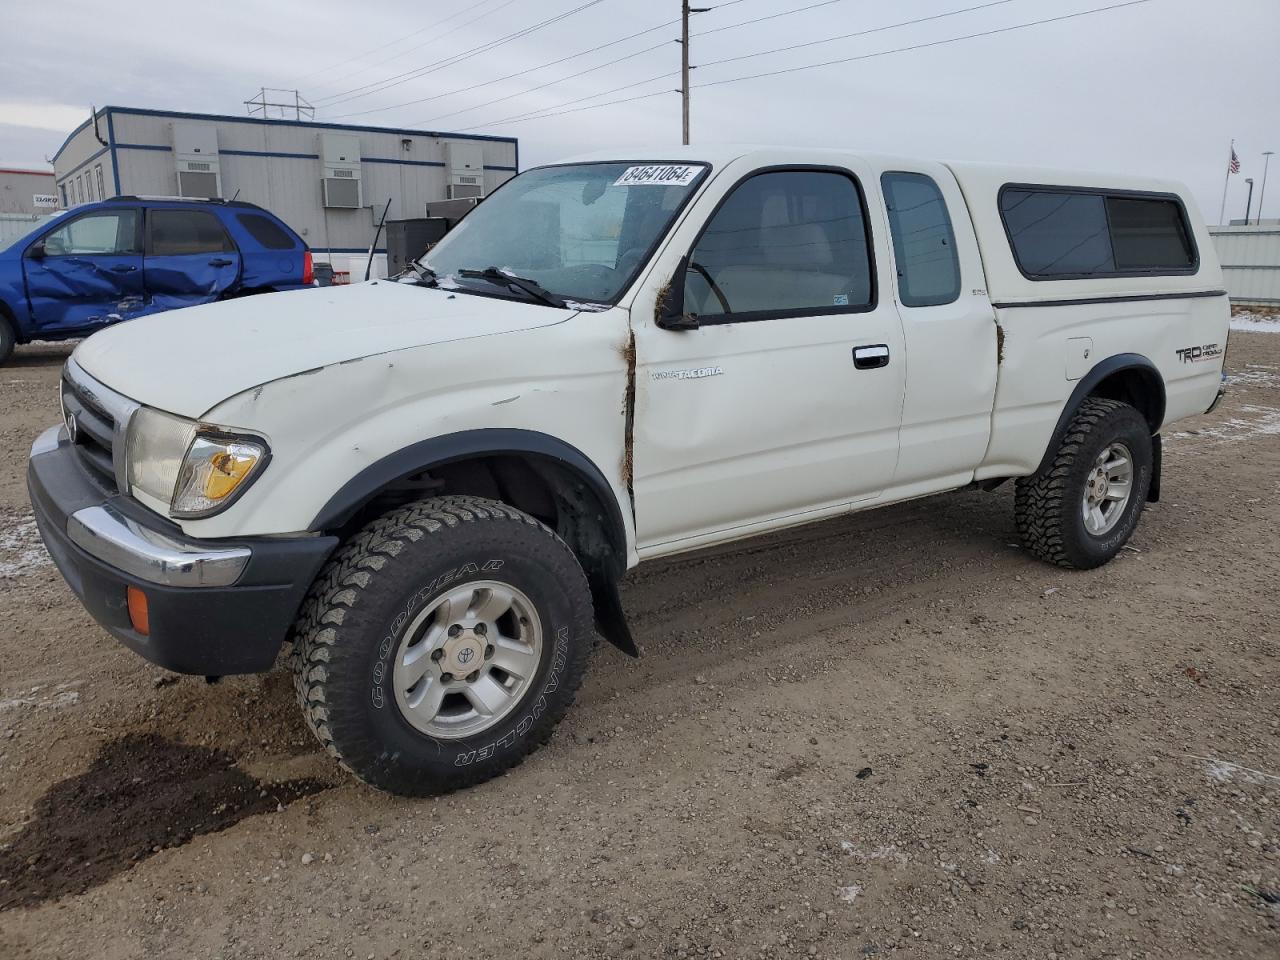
(1248, 204)
(1262, 192)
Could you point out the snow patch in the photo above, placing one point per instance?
(21, 550)
(1256, 375)
(888, 852)
(1259, 421)
(1255, 323)
(850, 893)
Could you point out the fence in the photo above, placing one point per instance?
(1250, 262)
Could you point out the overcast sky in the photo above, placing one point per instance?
(1159, 87)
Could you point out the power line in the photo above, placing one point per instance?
(905, 23)
(922, 46)
(387, 83)
(469, 8)
(859, 33)
(521, 73)
(540, 115)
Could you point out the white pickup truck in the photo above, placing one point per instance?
(430, 486)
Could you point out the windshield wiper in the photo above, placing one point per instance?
(502, 278)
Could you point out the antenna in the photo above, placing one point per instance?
(276, 103)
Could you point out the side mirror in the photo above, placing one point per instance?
(669, 313)
(36, 251)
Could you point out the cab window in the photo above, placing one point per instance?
(784, 243)
(109, 232)
(924, 246)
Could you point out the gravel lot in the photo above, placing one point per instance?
(890, 735)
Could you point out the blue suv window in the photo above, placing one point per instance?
(267, 232)
(175, 233)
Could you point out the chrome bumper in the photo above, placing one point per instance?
(107, 535)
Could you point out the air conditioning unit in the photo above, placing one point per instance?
(466, 188)
(340, 162)
(466, 171)
(195, 151)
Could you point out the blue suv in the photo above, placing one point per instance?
(114, 260)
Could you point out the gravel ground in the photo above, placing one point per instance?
(889, 735)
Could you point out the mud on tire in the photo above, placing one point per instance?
(356, 621)
(1048, 505)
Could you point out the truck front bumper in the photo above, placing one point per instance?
(214, 607)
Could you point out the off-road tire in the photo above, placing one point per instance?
(1047, 505)
(352, 621)
(7, 338)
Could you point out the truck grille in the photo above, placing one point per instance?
(96, 418)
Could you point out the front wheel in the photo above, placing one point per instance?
(442, 644)
(1082, 508)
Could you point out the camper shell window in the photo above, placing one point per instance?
(1072, 233)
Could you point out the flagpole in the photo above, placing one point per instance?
(1226, 181)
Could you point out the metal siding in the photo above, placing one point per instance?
(405, 166)
(17, 187)
(1250, 262)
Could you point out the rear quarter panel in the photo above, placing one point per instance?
(1179, 322)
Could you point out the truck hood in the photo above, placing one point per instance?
(188, 361)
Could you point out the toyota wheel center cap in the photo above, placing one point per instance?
(463, 654)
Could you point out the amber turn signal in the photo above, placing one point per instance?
(139, 615)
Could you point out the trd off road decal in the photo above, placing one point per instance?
(382, 668)
(539, 707)
(1210, 351)
(697, 373)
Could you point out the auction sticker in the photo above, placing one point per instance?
(658, 175)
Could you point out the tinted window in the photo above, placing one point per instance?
(924, 245)
(785, 241)
(173, 233)
(1149, 234)
(113, 232)
(1057, 234)
(266, 231)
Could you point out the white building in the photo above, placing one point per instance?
(330, 182)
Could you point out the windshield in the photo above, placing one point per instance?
(28, 231)
(579, 231)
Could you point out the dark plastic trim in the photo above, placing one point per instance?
(1136, 298)
(1100, 371)
(438, 451)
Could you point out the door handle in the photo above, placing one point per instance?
(871, 357)
(123, 268)
(220, 262)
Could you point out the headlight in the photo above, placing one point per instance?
(196, 472)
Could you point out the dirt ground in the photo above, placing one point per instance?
(894, 734)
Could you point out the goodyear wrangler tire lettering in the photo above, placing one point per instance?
(357, 621)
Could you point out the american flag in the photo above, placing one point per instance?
(1234, 165)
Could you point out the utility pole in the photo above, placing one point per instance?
(1262, 193)
(685, 10)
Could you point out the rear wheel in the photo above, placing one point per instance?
(1082, 508)
(442, 644)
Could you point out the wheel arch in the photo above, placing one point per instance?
(1128, 377)
(532, 471)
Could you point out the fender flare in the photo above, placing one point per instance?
(1099, 372)
(450, 448)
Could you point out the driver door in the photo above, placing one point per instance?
(87, 271)
(785, 402)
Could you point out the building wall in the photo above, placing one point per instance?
(1250, 262)
(19, 189)
(277, 164)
